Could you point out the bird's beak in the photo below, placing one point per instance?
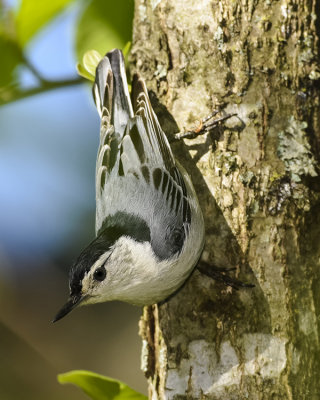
(69, 306)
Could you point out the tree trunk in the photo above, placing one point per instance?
(257, 179)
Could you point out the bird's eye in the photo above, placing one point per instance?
(100, 274)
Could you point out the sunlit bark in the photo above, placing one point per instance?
(258, 185)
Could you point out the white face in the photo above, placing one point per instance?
(123, 273)
(93, 281)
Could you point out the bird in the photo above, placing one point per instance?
(149, 225)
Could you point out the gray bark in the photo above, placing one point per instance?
(258, 184)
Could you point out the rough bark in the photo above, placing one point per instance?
(258, 185)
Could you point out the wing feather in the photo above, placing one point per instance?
(143, 108)
(135, 157)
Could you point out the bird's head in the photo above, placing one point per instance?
(105, 270)
(87, 276)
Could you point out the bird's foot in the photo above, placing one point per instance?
(205, 125)
(218, 275)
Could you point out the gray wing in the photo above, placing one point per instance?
(136, 171)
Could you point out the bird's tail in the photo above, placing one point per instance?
(110, 91)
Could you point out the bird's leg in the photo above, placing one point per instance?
(218, 275)
(205, 125)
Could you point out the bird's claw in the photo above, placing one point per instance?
(218, 275)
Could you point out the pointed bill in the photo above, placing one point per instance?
(72, 302)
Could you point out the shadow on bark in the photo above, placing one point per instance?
(221, 314)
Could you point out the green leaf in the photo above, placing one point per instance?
(90, 61)
(104, 25)
(11, 57)
(84, 73)
(126, 49)
(34, 14)
(100, 387)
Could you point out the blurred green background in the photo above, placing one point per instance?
(48, 144)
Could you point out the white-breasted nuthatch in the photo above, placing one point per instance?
(149, 225)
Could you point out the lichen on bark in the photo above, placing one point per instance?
(257, 179)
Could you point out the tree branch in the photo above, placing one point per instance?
(33, 69)
(9, 95)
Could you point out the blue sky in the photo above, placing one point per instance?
(48, 147)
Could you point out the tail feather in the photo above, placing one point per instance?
(110, 91)
(122, 108)
(103, 86)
